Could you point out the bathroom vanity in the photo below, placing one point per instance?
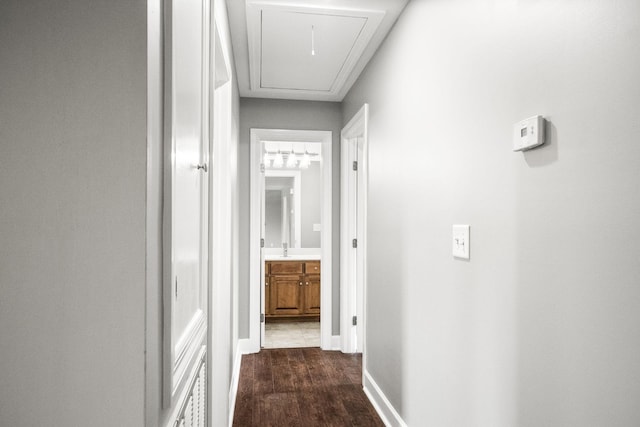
(292, 289)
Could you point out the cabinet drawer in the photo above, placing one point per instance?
(312, 267)
(286, 267)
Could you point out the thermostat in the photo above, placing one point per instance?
(528, 133)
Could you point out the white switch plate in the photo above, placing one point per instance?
(461, 241)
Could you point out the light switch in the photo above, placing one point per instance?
(461, 241)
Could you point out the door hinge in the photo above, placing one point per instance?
(354, 243)
(355, 166)
(262, 243)
(354, 320)
(262, 167)
(261, 317)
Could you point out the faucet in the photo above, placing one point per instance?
(284, 248)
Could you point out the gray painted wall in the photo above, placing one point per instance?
(273, 218)
(541, 327)
(72, 212)
(283, 114)
(311, 204)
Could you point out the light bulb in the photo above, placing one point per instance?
(278, 161)
(292, 160)
(304, 163)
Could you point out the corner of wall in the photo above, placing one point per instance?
(381, 404)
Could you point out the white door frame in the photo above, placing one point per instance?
(353, 261)
(256, 279)
(219, 333)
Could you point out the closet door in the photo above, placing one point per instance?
(186, 192)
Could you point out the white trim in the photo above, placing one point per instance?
(350, 301)
(335, 342)
(153, 205)
(326, 266)
(186, 345)
(184, 392)
(242, 348)
(255, 276)
(254, 247)
(380, 403)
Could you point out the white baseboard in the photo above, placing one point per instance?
(245, 346)
(335, 342)
(242, 348)
(381, 404)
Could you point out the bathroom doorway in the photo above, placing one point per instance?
(290, 275)
(292, 201)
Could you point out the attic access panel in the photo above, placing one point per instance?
(290, 37)
(279, 46)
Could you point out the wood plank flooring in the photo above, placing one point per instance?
(302, 387)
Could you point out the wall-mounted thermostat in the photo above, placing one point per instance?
(528, 133)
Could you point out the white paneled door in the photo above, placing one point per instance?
(186, 216)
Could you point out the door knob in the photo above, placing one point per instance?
(202, 166)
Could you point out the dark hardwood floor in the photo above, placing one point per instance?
(302, 387)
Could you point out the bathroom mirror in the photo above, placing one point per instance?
(281, 207)
(292, 196)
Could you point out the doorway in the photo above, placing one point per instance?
(290, 259)
(291, 204)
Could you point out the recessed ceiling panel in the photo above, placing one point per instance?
(305, 51)
(273, 46)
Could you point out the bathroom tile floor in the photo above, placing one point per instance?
(292, 335)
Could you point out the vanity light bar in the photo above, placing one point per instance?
(290, 159)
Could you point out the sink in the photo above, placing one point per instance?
(274, 257)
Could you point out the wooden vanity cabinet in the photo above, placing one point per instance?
(292, 289)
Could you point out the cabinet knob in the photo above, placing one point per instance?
(307, 283)
(300, 283)
(266, 283)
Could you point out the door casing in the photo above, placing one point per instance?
(353, 225)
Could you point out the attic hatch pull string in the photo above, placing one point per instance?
(313, 44)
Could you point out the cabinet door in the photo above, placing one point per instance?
(312, 294)
(286, 295)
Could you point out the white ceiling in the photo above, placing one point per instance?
(313, 49)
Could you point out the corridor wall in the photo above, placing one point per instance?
(541, 326)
